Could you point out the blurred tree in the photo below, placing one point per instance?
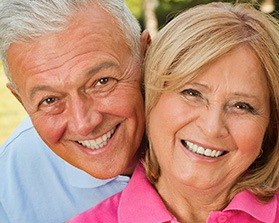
(150, 17)
(154, 14)
(268, 6)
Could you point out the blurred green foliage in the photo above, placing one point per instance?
(167, 9)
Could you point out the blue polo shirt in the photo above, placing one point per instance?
(38, 186)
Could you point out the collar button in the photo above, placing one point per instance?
(222, 219)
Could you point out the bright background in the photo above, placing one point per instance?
(11, 111)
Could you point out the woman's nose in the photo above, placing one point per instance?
(212, 122)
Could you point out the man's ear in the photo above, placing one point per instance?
(14, 91)
(145, 40)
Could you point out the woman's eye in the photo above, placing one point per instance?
(192, 93)
(244, 107)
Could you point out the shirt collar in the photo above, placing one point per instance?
(80, 179)
(140, 199)
(134, 197)
(247, 202)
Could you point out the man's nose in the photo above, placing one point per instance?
(212, 122)
(85, 115)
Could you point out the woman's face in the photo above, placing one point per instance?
(211, 131)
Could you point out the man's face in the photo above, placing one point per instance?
(82, 90)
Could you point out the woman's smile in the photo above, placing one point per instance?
(194, 148)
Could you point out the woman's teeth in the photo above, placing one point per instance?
(200, 150)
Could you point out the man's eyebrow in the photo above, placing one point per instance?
(104, 65)
(91, 72)
(39, 88)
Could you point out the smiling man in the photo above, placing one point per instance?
(75, 66)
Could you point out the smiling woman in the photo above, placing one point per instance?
(211, 88)
(11, 111)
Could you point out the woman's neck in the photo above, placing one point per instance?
(190, 205)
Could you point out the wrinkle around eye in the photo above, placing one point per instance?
(48, 101)
(191, 92)
(243, 108)
(194, 97)
(52, 105)
(103, 85)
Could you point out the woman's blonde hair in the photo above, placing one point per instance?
(195, 39)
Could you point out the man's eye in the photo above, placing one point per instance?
(48, 101)
(192, 93)
(103, 81)
(102, 85)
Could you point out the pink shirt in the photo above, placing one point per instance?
(140, 203)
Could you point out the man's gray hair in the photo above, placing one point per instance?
(24, 20)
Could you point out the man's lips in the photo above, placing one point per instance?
(99, 142)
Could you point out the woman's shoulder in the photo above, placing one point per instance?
(104, 212)
(276, 198)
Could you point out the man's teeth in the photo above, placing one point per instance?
(99, 142)
(202, 151)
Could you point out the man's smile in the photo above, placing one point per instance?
(99, 142)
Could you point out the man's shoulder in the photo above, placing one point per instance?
(23, 136)
(23, 148)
